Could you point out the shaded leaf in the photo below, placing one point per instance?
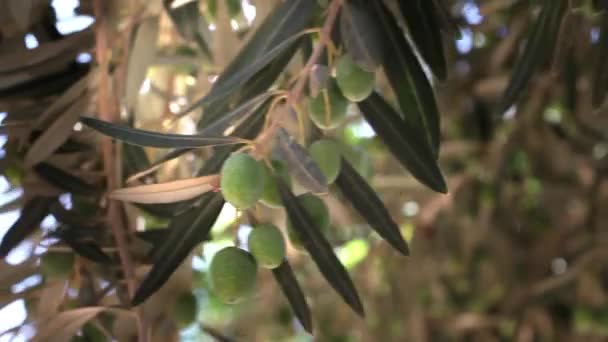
(61, 103)
(365, 200)
(142, 55)
(319, 248)
(406, 76)
(360, 33)
(168, 192)
(404, 141)
(25, 59)
(70, 217)
(64, 180)
(190, 23)
(425, 32)
(291, 289)
(66, 324)
(300, 164)
(186, 231)
(32, 214)
(154, 236)
(47, 84)
(86, 249)
(11, 274)
(51, 297)
(539, 47)
(140, 137)
(56, 134)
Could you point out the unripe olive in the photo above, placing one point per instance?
(232, 275)
(355, 83)
(242, 180)
(185, 309)
(328, 109)
(267, 245)
(326, 153)
(270, 196)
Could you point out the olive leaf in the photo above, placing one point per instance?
(406, 76)
(142, 55)
(425, 32)
(301, 165)
(360, 35)
(404, 141)
(141, 137)
(368, 204)
(291, 289)
(168, 192)
(186, 231)
(56, 134)
(539, 47)
(319, 248)
(32, 214)
(190, 23)
(86, 249)
(64, 180)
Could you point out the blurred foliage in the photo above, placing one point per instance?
(516, 251)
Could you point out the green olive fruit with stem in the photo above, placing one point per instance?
(328, 109)
(355, 83)
(326, 153)
(242, 180)
(267, 245)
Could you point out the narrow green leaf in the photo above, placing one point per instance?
(539, 47)
(600, 81)
(360, 33)
(140, 137)
(64, 180)
(404, 141)
(319, 248)
(365, 200)
(190, 24)
(424, 30)
(286, 22)
(291, 289)
(300, 164)
(406, 77)
(32, 214)
(221, 90)
(186, 231)
(134, 159)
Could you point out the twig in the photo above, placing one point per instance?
(295, 94)
(107, 110)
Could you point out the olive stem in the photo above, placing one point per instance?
(296, 91)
